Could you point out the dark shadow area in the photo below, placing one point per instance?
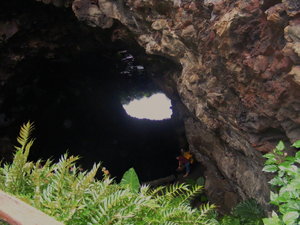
(69, 79)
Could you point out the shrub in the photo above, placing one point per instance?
(248, 212)
(286, 185)
(73, 196)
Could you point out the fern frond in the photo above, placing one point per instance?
(24, 134)
(155, 192)
(144, 189)
(169, 223)
(109, 207)
(192, 191)
(174, 212)
(27, 148)
(204, 210)
(17, 175)
(113, 200)
(89, 177)
(249, 209)
(171, 191)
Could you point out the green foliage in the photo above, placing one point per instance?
(131, 180)
(200, 181)
(3, 222)
(73, 196)
(285, 184)
(248, 212)
(296, 144)
(230, 220)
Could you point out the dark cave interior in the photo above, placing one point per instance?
(69, 79)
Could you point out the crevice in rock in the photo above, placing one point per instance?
(269, 3)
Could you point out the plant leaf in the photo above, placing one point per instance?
(25, 132)
(248, 209)
(131, 179)
(200, 181)
(269, 156)
(280, 146)
(270, 161)
(277, 181)
(297, 157)
(272, 221)
(274, 198)
(296, 144)
(290, 217)
(270, 168)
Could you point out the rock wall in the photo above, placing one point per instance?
(239, 81)
(238, 85)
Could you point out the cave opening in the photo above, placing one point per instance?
(73, 81)
(232, 101)
(154, 107)
(143, 100)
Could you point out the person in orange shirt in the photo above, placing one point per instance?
(187, 155)
(184, 161)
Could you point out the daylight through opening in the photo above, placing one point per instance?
(155, 107)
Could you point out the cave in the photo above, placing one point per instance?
(230, 69)
(74, 94)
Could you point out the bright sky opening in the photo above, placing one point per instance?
(156, 107)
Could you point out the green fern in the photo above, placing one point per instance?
(192, 192)
(171, 192)
(74, 197)
(14, 176)
(248, 212)
(24, 135)
(248, 209)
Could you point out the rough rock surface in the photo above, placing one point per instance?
(239, 80)
(238, 83)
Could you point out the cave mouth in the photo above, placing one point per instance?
(154, 107)
(79, 110)
(72, 81)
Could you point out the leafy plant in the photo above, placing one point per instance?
(73, 196)
(285, 184)
(199, 181)
(248, 212)
(131, 180)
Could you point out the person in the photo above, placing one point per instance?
(187, 155)
(183, 163)
(106, 172)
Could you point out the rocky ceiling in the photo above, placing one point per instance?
(237, 75)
